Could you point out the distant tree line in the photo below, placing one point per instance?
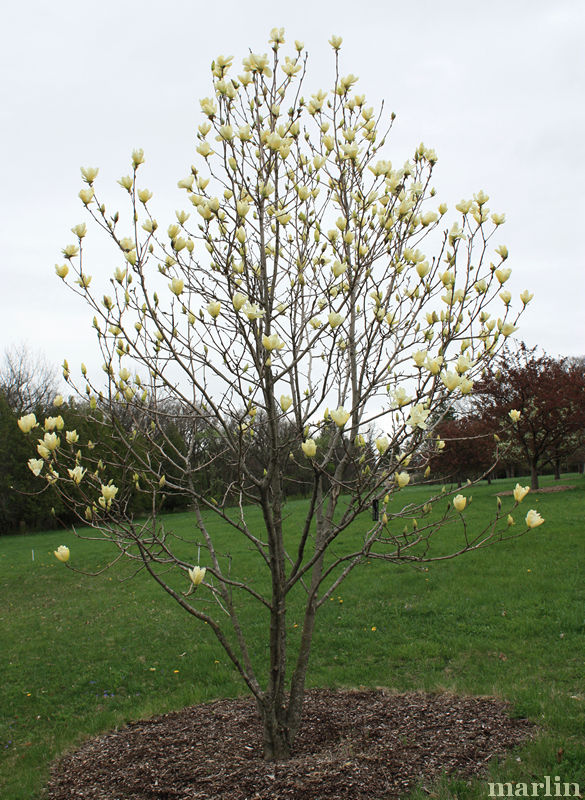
(28, 385)
(480, 438)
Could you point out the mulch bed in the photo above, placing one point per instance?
(353, 745)
(544, 490)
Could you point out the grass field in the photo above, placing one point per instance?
(81, 655)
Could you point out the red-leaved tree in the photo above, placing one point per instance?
(549, 393)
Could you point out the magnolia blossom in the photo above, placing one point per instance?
(27, 423)
(382, 444)
(36, 465)
(197, 574)
(71, 437)
(309, 448)
(451, 380)
(109, 492)
(62, 553)
(506, 328)
(239, 300)
(272, 342)
(53, 476)
(419, 357)
(335, 319)
(176, 286)
(339, 416)
(76, 474)
(402, 479)
(401, 398)
(213, 308)
(459, 502)
(285, 402)
(463, 364)
(51, 441)
(520, 492)
(54, 422)
(533, 519)
(43, 451)
(514, 415)
(418, 416)
(433, 365)
(253, 311)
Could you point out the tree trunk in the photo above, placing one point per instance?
(557, 468)
(276, 739)
(533, 476)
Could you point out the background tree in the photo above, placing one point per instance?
(27, 381)
(27, 384)
(293, 305)
(549, 393)
(470, 450)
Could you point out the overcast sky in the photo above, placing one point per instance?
(497, 89)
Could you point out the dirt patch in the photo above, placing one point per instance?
(354, 745)
(544, 490)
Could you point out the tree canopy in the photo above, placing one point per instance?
(310, 308)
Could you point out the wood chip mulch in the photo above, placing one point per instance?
(544, 490)
(354, 745)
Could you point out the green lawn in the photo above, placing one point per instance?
(82, 654)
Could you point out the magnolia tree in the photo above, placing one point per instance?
(295, 300)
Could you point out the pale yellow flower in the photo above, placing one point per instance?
(214, 308)
(239, 300)
(62, 553)
(76, 474)
(272, 342)
(89, 174)
(459, 502)
(402, 479)
(506, 328)
(176, 286)
(520, 492)
(253, 311)
(109, 492)
(451, 380)
(401, 398)
(309, 448)
(533, 519)
(419, 357)
(197, 574)
(339, 416)
(514, 415)
(382, 444)
(51, 441)
(27, 423)
(36, 466)
(418, 416)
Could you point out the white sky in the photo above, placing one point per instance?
(497, 89)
